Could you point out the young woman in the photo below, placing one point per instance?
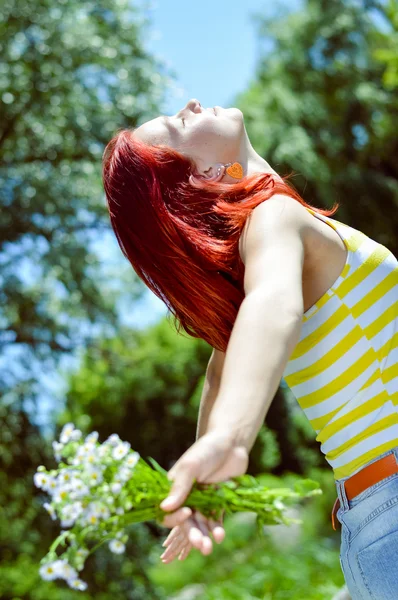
(279, 289)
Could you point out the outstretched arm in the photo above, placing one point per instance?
(269, 320)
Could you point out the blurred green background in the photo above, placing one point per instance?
(322, 102)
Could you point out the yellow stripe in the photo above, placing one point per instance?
(374, 377)
(390, 345)
(355, 240)
(320, 333)
(340, 382)
(390, 373)
(364, 270)
(349, 418)
(375, 294)
(361, 461)
(320, 422)
(378, 324)
(328, 359)
(384, 423)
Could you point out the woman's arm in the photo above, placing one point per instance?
(269, 321)
(210, 390)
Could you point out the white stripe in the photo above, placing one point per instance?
(335, 370)
(384, 335)
(321, 348)
(359, 399)
(367, 285)
(342, 397)
(379, 307)
(319, 318)
(392, 386)
(365, 445)
(354, 428)
(391, 359)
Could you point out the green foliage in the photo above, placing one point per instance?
(318, 106)
(288, 563)
(386, 50)
(71, 74)
(142, 384)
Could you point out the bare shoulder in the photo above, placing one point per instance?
(279, 215)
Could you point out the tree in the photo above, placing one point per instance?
(318, 106)
(71, 74)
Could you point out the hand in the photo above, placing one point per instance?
(213, 458)
(194, 532)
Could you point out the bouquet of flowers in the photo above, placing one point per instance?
(99, 489)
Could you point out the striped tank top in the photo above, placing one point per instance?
(344, 369)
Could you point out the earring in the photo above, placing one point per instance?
(235, 170)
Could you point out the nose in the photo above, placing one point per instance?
(192, 105)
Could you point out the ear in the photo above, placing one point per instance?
(213, 173)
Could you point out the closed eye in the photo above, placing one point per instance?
(183, 121)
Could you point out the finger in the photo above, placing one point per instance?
(174, 549)
(217, 530)
(185, 551)
(215, 527)
(175, 532)
(177, 517)
(183, 480)
(198, 536)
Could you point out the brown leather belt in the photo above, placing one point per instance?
(366, 477)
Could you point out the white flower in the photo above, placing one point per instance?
(78, 489)
(94, 512)
(116, 488)
(49, 571)
(132, 459)
(78, 584)
(82, 553)
(85, 450)
(116, 546)
(91, 438)
(113, 440)
(66, 476)
(70, 513)
(94, 476)
(52, 485)
(61, 494)
(66, 433)
(103, 511)
(124, 474)
(41, 480)
(119, 510)
(120, 450)
(66, 571)
(103, 450)
(51, 510)
(57, 447)
(76, 435)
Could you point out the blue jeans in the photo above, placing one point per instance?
(369, 538)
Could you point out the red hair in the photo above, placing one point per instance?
(181, 233)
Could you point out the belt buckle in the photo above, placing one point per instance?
(336, 507)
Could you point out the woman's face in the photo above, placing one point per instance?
(206, 135)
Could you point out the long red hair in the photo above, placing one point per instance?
(181, 233)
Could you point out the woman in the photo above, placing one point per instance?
(279, 289)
